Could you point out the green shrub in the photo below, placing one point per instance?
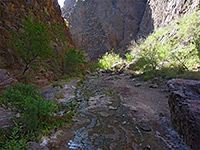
(109, 59)
(31, 42)
(15, 141)
(129, 57)
(93, 66)
(175, 45)
(36, 116)
(73, 62)
(35, 111)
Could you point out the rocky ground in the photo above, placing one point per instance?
(118, 105)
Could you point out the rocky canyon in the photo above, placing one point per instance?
(12, 15)
(106, 25)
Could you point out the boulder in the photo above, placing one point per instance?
(184, 103)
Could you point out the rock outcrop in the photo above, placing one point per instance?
(103, 25)
(184, 102)
(6, 79)
(158, 14)
(12, 14)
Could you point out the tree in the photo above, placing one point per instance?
(31, 42)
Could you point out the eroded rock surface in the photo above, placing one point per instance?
(158, 14)
(6, 79)
(184, 103)
(103, 25)
(12, 14)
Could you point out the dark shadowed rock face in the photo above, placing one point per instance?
(14, 11)
(184, 102)
(103, 25)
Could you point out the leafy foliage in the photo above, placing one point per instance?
(31, 42)
(73, 62)
(35, 111)
(36, 116)
(15, 141)
(171, 46)
(109, 59)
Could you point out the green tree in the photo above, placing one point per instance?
(31, 42)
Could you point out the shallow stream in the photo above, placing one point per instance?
(103, 124)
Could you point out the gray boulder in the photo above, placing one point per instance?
(184, 102)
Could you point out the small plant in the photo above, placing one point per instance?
(36, 116)
(73, 62)
(109, 59)
(15, 141)
(31, 42)
(35, 111)
(129, 57)
(93, 66)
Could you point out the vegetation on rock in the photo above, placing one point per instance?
(171, 51)
(35, 115)
(73, 62)
(171, 46)
(31, 42)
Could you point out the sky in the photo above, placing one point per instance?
(61, 2)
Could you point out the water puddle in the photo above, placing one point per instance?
(103, 124)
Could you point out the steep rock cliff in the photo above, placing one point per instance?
(158, 14)
(12, 14)
(103, 25)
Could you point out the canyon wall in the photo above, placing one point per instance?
(160, 13)
(12, 14)
(104, 25)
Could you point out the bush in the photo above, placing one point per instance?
(15, 141)
(31, 42)
(73, 62)
(35, 111)
(109, 59)
(175, 45)
(93, 66)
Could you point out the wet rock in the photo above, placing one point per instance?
(184, 102)
(138, 84)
